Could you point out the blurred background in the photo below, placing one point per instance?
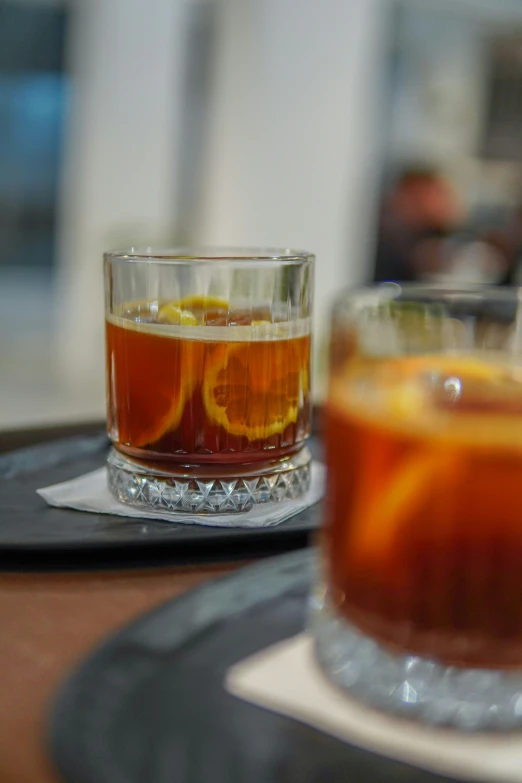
(385, 135)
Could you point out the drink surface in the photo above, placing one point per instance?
(424, 528)
(195, 383)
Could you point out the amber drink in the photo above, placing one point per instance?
(423, 532)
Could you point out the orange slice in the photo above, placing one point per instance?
(458, 365)
(200, 302)
(400, 503)
(170, 410)
(435, 399)
(173, 314)
(194, 310)
(147, 382)
(255, 389)
(160, 377)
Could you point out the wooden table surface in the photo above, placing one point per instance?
(50, 621)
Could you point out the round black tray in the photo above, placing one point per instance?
(28, 524)
(149, 706)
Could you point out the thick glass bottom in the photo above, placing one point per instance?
(230, 489)
(410, 686)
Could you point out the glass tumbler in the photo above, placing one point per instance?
(208, 377)
(419, 607)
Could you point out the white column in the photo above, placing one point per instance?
(295, 142)
(126, 61)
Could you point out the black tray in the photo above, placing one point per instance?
(149, 706)
(28, 524)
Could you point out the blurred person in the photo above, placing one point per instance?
(418, 213)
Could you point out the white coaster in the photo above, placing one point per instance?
(285, 678)
(90, 492)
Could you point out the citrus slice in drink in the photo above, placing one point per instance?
(254, 389)
(203, 310)
(201, 302)
(167, 414)
(171, 313)
(404, 500)
(435, 408)
(146, 381)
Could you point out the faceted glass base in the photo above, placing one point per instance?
(181, 492)
(413, 687)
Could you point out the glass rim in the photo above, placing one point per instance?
(390, 291)
(205, 255)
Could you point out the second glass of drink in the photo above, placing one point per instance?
(419, 609)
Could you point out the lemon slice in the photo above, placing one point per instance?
(201, 302)
(430, 401)
(171, 313)
(400, 504)
(171, 409)
(255, 389)
(191, 310)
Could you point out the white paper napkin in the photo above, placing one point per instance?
(285, 678)
(90, 492)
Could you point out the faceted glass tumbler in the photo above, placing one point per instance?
(208, 377)
(418, 610)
